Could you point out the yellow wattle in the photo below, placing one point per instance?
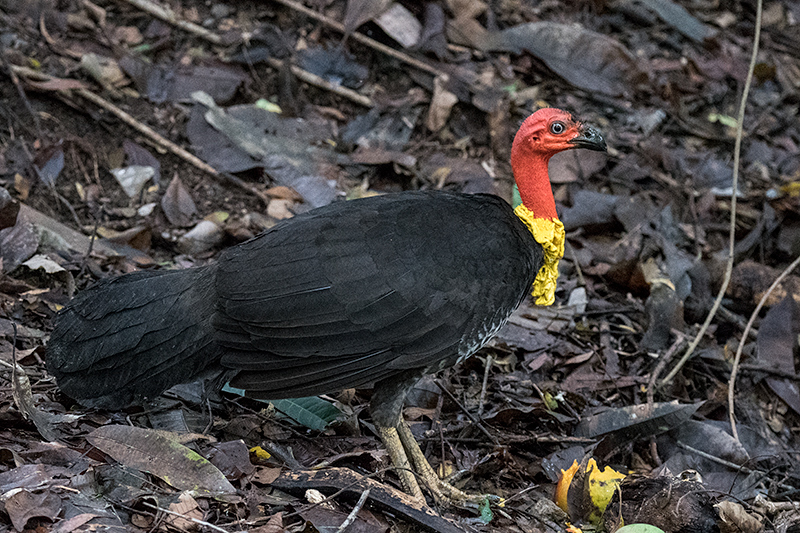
(549, 232)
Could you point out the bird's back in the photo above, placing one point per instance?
(359, 291)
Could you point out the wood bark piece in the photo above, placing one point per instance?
(353, 484)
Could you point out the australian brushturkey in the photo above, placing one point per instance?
(380, 291)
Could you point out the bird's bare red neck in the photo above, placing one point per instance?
(533, 180)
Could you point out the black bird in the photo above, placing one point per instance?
(380, 291)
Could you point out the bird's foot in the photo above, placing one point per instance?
(408, 458)
(397, 454)
(443, 492)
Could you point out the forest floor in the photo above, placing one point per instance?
(109, 163)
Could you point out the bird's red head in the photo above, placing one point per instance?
(542, 135)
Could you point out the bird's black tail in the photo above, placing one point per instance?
(133, 337)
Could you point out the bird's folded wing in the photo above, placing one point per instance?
(350, 296)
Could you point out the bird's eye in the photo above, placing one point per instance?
(557, 128)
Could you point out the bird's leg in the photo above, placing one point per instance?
(397, 455)
(443, 492)
(386, 407)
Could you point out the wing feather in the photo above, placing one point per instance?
(394, 284)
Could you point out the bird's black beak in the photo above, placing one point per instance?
(590, 138)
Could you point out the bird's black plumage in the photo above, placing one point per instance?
(382, 288)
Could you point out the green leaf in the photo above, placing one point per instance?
(639, 528)
(312, 412)
(486, 511)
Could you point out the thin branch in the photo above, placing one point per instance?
(738, 357)
(363, 39)
(167, 15)
(322, 83)
(354, 513)
(769, 370)
(466, 412)
(664, 360)
(737, 150)
(733, 466)
(189, 518)
(487, 369)
(21, 91)
(150, 133)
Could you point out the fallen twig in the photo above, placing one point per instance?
(322, 83)
(662, 363)
(730, 316)
(768, 370)
(344, 480)
(487, 369)
(354, 513)
(466, 412)
(187, 518)
(732, 466)
(21, 91)
(363, 39)
(168, 16)
(737, 151)
(150, 133)
(738, 357)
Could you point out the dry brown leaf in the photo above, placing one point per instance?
(400, 24)
(187, 507)
(585, 58)
(24, 505)
(275, 525)
(734, 519)
(750, 281)
(159, 453)
(177, 203)
(278, 208)
(266, 475)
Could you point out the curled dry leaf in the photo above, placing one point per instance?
(177, 203)
(400, 24)
(24, 505)
(441, 104)
(133, 178)
(187, 508)
(360, 11)
(104, 70)
(734, 518)
(204, 236)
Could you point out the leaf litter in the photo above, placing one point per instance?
(646, 242)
